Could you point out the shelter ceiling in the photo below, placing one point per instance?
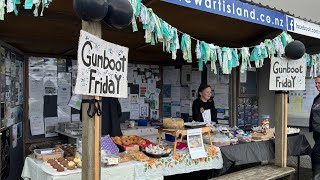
(57, 32)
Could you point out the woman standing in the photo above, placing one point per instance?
(203, 108)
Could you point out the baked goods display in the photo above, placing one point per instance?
(173, 123)
(157, 151)
(125, 158)
(131, 142)
(62, 164)
(140, 156)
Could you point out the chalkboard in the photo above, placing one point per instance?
(249, 88)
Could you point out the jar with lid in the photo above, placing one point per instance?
(265, 122)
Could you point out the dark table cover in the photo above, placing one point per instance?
(253, 152)
(244, 155)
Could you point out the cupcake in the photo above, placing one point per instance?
(71, 165)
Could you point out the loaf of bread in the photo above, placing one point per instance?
(173, 123)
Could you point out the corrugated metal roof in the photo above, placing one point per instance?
(308, 10)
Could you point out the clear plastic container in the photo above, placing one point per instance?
(220, 140)
(244, 138)
(49, 153)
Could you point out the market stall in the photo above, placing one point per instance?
(132, 165)
(221, 159)
(172, 87)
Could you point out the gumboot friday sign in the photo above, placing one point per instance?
(102, 67)
(287, 74)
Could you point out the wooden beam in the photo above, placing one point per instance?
(90, 126)
(69, 51)
(4, 44)
(150, 2)
(141, 47)
(264, 35)
(281, 112)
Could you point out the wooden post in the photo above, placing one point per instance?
(281, 111)
(90, 126)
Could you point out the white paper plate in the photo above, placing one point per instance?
(195, 124)
(46, 167)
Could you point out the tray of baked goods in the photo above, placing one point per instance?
(157, 151)
(134, 143)
(62, 166)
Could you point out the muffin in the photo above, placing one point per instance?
(71, 165)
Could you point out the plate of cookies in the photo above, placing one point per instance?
(62, 166)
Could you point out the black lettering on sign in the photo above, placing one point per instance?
(285, 82)
(104, 85)
(87, 43)
(92, 71)
(277, 69)
(99, 60)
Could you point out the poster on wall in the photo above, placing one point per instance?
(143, 89)
(102, 67)
(2, 61)
(144, 110)
(154, 114)
(186, 71)
(13, 65)
(7, 63)
(134, 111)
(2, 88)
(36, 96)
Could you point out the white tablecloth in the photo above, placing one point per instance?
(124, 171)
(154, 169)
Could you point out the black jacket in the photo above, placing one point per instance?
(312, 118)
(110, 117)
(198, 104)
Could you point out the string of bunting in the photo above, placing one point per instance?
(13, 6)
(159, 31)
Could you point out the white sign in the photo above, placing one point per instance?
(286, 74)
(303, 27)
(102, 67)
(195, 144)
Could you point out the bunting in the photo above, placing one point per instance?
(159, 31)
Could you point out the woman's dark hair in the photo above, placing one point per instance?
(202, 87)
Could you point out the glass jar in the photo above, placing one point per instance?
(264, 122)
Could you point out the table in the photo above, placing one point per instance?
(253, 152)
(154, 169)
